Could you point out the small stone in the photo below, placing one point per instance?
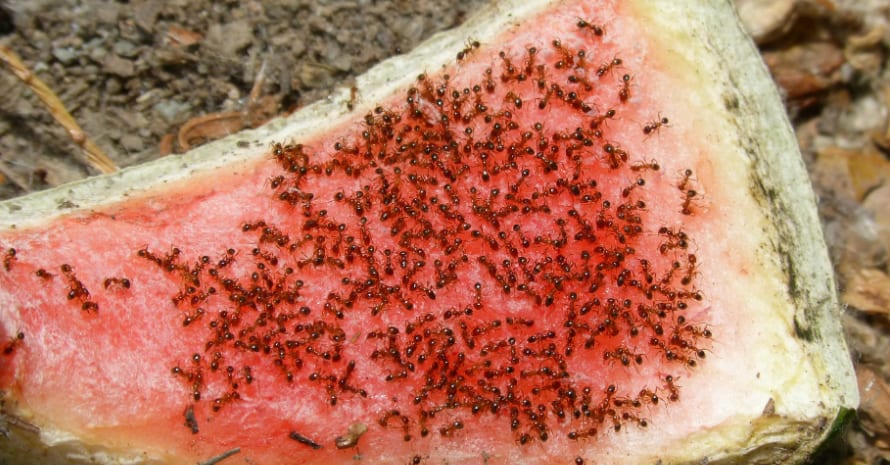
(97, 53)
(107, 13)
(119, 66)
(766, 20)
(125, 48)
(229, 39)
(314, 76)
(146, 13)
(113, 86)
(65, 55)
(171, 110)
(132, 143)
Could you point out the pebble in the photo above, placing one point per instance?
(765, 20)
(65, 55)
(97, 51)
(125, 48)
(231, 38)
(171, 110)
(132, 143)
(119, 66)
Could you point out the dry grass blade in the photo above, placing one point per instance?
(94, 155)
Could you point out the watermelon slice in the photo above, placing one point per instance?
(567, 232)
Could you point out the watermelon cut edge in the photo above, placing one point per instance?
(707, 38)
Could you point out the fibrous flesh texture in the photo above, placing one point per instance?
(531, 254)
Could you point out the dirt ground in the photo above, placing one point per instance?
(147, 78)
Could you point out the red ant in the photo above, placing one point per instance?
(8, 259)
(606, 67)
(568, 58)
(649, 165)
(226, 398)
(597, 120)
(189, 319)
(43, 274)
(672, 388)
(624, 93)
(597, 29)
(616, 155)
(470, 46)
(13, 343)
(691, 195)
(687, 177)
(353, 97)
(653, 126)
(122, 282)
(690, 270)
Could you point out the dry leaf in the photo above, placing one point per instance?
(868, 170)
(201, 129)
(805, 70)
(874, 406)
(831, 173)
(869, 291)
(864, 52)
(877, 205)
(182, 37)
(852, 172)
(881, 137)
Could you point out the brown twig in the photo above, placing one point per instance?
(205, 128)
(94, 155)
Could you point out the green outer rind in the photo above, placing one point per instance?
(827, 449)
(778, 181)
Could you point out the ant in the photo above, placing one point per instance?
(468, 49)
(9, 258)
(624, 93)
(653, 126)
(13, 343)
(597, 29)
(606, 67)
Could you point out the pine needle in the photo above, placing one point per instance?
(94, 155)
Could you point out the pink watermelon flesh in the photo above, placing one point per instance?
(503, 261)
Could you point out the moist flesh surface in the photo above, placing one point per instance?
(498, 262)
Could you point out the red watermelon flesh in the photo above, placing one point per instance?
(529, 255)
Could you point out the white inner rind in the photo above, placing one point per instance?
(802, 365)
